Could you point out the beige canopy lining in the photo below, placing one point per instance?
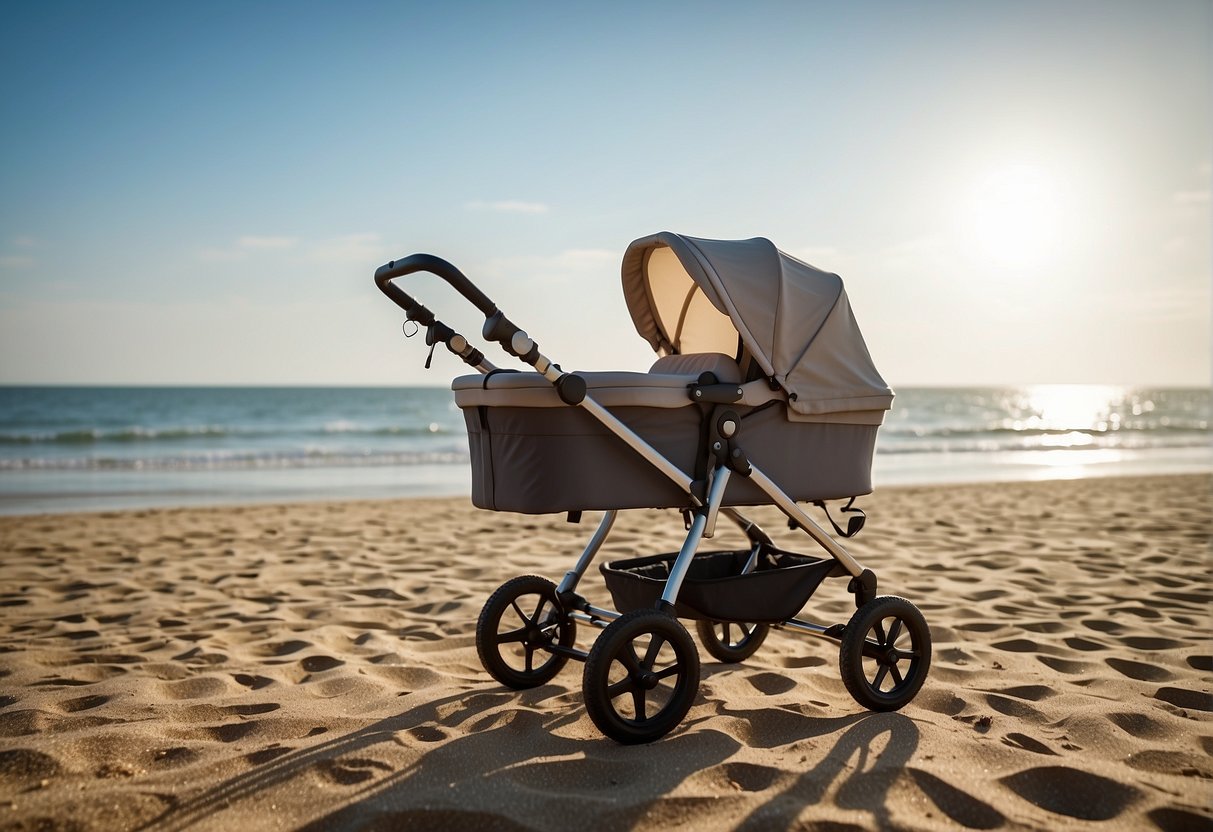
(688, 294)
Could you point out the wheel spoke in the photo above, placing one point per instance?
(897, 680)
(748, 631)
(906, 654)
(538, 609)
(727, 630)
(894, 632)
(669, 671)
(530, 658)
(650, 656)
(627, 657)
(872, 650)
(518, 610)
(512, 636)
(880, 638)
(880, 674)
(624, 685)
(638, 703)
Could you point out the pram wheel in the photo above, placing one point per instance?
(886, 652)
(641, 677)
(519, 620)
(731, 641)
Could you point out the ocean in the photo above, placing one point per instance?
(100, 448)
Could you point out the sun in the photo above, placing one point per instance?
(1015, 216)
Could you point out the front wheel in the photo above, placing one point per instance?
(886, 653)
(731, 641)
(641, 677)
(519, 621)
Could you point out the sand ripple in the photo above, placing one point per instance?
(314, 667)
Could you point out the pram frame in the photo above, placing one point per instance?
(703, 512)
(516, 342)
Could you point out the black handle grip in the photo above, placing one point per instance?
(388, 272)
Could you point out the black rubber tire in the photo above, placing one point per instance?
(717, 638)
(546, 623)
(868, 665)
(615, 651)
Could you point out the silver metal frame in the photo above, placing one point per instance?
(703, 524)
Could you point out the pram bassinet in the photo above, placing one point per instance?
(810, 409)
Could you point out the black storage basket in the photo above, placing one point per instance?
(714, 587)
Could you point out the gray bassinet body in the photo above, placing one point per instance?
(783, 330)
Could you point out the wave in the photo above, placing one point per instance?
(1169, 426)
(89, 436)
(1045, 441)
(237, 461)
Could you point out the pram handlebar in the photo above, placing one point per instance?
(414, 263)
(497, 327)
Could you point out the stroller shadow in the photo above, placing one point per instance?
(864, 783)
(493, 764)
(497, 763)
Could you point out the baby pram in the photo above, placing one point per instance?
(763, 394)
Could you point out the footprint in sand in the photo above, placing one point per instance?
(271, 752)
(1177, 820)
(283, 648)
(231, 732)
(957, 804)
(1023, 741)
(771, 683)
(350, 771)
(1180, 763)
(1077, 794)
(83, 703)
(318, 664)
(250, 681)
(1139, 725)
(1140, 671)
(1181, 697)
(748, 777)
(1065, 665)
(1152, 643)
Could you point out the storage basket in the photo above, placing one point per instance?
(714, 587)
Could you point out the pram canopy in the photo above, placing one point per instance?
(692, 295)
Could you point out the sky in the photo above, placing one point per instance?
(1013, 193)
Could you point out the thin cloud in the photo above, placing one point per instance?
(261, 243)
(508, 206)
(16, 261)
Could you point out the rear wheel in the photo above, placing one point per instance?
(886, 653)
(520, 620)
(641, 677)
(731, 641)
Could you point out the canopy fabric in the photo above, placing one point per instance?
(687, 294)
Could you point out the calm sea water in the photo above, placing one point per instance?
(82, 448)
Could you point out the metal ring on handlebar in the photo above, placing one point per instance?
(497, 327)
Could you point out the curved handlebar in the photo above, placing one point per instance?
(388, 272)
(497, 327)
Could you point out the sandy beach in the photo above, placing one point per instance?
(313, 666)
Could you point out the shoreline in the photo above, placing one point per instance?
(313, 666)
(24, 493)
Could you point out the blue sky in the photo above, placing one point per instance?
(1013, 193)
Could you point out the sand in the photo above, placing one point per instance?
(313, 666)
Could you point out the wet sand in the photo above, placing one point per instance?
(313, 666)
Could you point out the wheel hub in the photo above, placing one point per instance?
(647, 680)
